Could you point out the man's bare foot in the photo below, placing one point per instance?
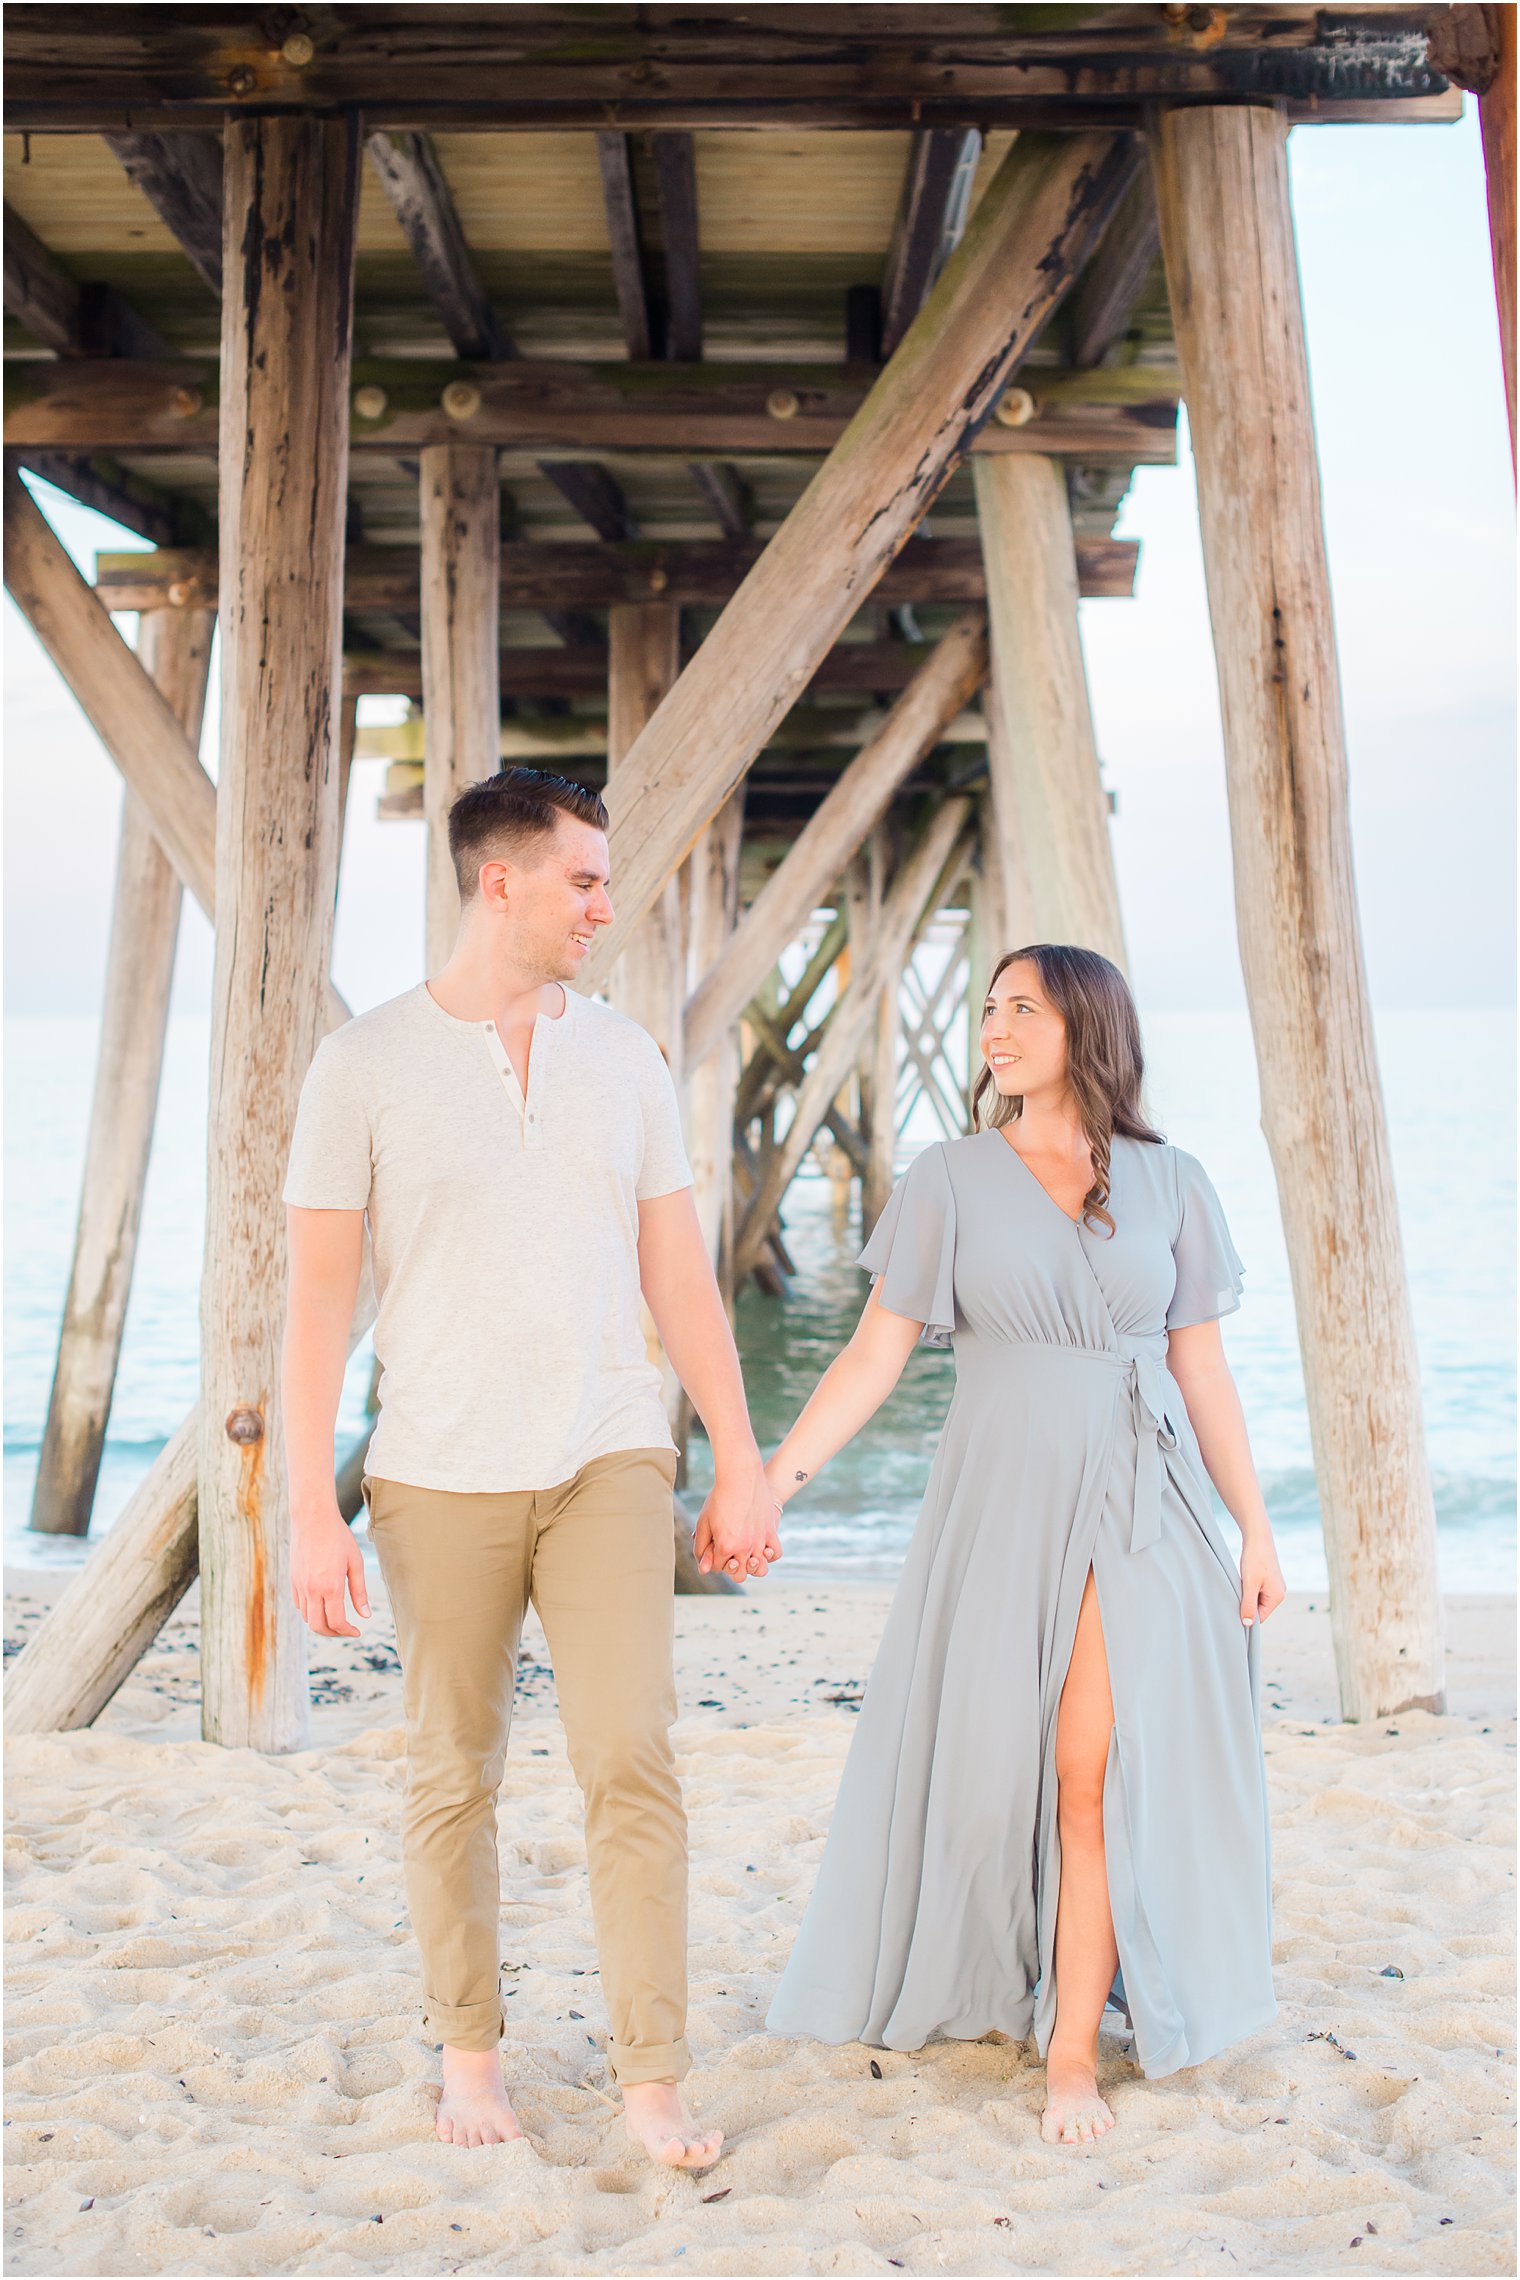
(474, 2108)
(658, 2121)
(1074, 2113)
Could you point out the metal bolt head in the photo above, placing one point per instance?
(370, 402)
(461, 399)
(298, 50)
(659, 579)
(244, 1425)
(241, 79)
(1014, 408)
(185, 402)
(180, 590)
(782, 404)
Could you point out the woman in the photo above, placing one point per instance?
(1055, 1794)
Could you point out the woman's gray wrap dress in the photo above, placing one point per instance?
(1066, 1446)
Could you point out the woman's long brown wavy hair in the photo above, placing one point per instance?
(1104, 1064)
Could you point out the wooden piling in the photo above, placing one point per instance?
(643, 662)
(175, 646)
(291, 204)
(1045, 758)
(1227, 233)
(459, 493)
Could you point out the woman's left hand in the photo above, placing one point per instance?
(1262, 1589)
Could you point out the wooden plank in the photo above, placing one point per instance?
(1227, 230)
(180, 175)
(1105, 296)
(922, 238)
(459, 493)
(675, 170)
(132, 68)
(413, 180)
(926, 876)
(545, 575)
(1048, 745)
(139, 971)
(690, 411)
(623, 236)
(946, 681)
(291, 207)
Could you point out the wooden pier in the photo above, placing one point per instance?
(727, 408)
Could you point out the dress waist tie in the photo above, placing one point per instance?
(1145, 1370)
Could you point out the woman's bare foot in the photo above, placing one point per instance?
(474, 2108)
(657, 2120)
(1074, 2113)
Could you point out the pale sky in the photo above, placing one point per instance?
(1419, 513)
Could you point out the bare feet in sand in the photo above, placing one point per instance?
(1074, 2113)
(474, 2108)
(657, 2120)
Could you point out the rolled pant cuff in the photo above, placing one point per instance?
(647, 2062)
(465, 2026)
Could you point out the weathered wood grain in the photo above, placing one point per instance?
(291, 205)
(1227, 231)
(459, 492)
(176, 651)
(686, 410)
(1047, 742)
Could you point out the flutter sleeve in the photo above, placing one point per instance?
(1209, 1269)
(911, 1254)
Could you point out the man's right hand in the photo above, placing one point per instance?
(326, 1562)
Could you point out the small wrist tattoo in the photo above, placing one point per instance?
(799, 1476)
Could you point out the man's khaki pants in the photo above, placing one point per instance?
(596, 1556)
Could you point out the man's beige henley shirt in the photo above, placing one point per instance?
(504, 1232)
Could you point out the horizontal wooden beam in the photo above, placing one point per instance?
(136, 69)
(692, 410)
(867, 666)
(546, 575)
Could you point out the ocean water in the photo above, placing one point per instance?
(1449, 1082)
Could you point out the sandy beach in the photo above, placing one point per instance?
(216, 2066)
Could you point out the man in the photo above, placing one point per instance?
(517, 1149)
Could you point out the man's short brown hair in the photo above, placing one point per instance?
(506, 814)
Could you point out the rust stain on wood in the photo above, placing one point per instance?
(250, 1504)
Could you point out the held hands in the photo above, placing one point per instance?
(1262, 1589)
(325, 1559)
(739, 1529)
